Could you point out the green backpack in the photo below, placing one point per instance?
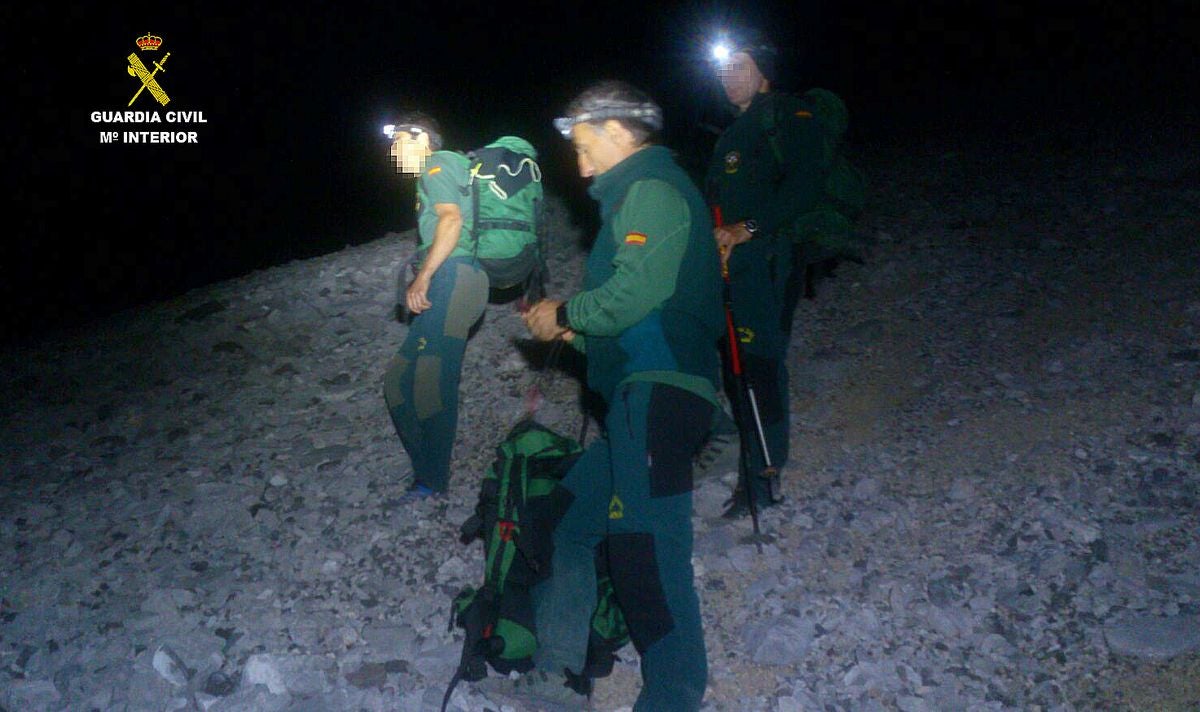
(828, 229)
(505, 186)
(520, 504)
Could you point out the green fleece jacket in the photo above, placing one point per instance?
(746, 180)
(650, 308)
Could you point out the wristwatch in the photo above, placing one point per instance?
(560, 316)
(751, 226)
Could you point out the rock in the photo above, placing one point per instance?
(710, 498)
(909, 703)
(761, 587)
(172, 669)
(1154, 638)
(865, 333)
(288, 674)
(715, 543)
(867, 488)
(455, 570)
(168, 601)
(253, 699)
(218, 684)
(29, 695)
(263, 670)
(961, 490)
(439, 660)
(781, 641)
(368, 675)
(391, 640)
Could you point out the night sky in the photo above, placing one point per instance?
(291, 163)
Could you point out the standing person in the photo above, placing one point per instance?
(759, 196)
(445, 298)
(647, 319)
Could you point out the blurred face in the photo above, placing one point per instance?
(741, 80)
(409, 152)
(599, 148)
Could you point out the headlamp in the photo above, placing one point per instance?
(721, 52)
(648, 114)
(390, 130)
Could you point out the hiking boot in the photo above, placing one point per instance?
(738, 505)
(417, 493)
(535, 691)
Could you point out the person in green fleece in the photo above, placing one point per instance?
(446, 297)
(759, 197)
(647, 319)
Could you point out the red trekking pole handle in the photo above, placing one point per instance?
(735, 356)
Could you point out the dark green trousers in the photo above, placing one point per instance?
(633, 503)
(420, 386)
(758, 273)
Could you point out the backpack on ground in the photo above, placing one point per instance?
(520, 504)
(827, 231)
(506, 232)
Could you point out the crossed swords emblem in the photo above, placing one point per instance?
(137, 69)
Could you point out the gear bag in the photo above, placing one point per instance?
(505, 186)
(828, 229)
(520, 504)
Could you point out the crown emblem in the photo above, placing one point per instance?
(148, 42)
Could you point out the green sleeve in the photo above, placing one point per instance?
(800, 142)
(440, 181)
(651, 230)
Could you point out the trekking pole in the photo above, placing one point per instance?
(743, 383)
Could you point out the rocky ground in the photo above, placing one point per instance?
(992, 501)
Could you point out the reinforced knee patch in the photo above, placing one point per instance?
(427, 387)
(637, 582)
(393, 394)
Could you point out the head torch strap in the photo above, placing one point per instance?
(393, 130)
(647, 113)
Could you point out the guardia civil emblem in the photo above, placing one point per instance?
(148, 43)
(733, 160)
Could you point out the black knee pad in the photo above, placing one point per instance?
(635, 576)
(676, 427)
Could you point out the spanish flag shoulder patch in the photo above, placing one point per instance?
(804, 114)
(434, 171)
(635, 238)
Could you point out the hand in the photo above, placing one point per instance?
(542, 321)
(729, 236)
(416, 296)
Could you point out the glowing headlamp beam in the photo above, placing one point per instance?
(721, 52)
(390, 130)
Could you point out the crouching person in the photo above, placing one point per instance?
(647, 319)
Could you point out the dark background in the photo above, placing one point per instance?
(291, 162)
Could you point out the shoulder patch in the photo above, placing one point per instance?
(804, 114)
(434, 171)
(635, 238)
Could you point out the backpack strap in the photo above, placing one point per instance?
(506, 179)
